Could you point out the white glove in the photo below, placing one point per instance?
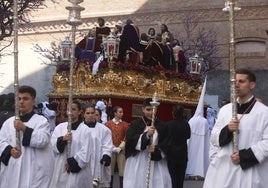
(116, 150)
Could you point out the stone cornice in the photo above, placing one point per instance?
(148, 18)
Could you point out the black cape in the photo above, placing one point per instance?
(137, 128)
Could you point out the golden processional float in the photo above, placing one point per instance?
(126, 85)
(123, 84)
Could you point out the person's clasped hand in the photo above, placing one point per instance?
(67, 136)
(19, 125)
(235, 158)
(151, 148)
(15, 153)
(233, 125)
(151, 131)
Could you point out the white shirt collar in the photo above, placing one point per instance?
(116, 121)
(237, 100)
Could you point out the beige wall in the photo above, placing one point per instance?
(251, 21)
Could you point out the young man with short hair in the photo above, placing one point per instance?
(247, 167)
(138, 147)
(31, 166)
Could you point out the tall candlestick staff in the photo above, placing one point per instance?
(16, 72)
(231, 8)
(154, 103)
(74, 20)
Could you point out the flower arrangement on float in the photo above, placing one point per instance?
(155, 70)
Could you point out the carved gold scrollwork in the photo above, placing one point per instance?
(126, 84)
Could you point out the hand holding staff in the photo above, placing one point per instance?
(151, 131)
(19, 125)
(15, 153)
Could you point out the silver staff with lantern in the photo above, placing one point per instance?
(74, 20)
(154, 103)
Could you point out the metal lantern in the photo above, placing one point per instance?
(195, 64)
(111, 46)
(227, 6)
(74, 18)
(65, 49)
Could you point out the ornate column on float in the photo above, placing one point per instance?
(74, 20)
(230, 7)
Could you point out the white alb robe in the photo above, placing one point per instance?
(33, 169)
(80, 150)
(103, 145)
(253, 133)
(136, 169)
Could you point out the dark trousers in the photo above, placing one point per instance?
(177, 174)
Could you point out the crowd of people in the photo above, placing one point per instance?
(91, 150)
(144, 48)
